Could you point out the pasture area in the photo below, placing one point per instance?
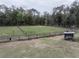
(30, 30)
(51, 47)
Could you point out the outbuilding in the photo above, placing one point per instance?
(69, 35)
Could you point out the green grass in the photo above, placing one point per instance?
(13, 30)
(41, 48)
(77, 37)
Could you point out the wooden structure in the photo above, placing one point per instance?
(69, 35)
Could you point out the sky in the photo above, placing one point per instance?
(40, 5)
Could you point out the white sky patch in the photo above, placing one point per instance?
(40, 5)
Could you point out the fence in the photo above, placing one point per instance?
(26, 37)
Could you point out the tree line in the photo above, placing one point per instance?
(64, 16)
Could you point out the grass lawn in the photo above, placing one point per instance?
(13, 30)
(52, 47)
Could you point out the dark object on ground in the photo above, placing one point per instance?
(69, 35)
(10, 38)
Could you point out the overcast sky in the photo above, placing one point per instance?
(40, 5)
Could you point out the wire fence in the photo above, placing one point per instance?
(5, 38)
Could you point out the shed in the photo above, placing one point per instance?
(69, 35)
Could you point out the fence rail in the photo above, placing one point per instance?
(26, 37)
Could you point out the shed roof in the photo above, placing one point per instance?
(69, 32)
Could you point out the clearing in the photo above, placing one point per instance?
(30, 30)
(52, 47)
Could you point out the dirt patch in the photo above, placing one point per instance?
(57, 37)
(18, 43)
(31, 43)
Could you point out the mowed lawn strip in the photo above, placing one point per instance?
(31, 30)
